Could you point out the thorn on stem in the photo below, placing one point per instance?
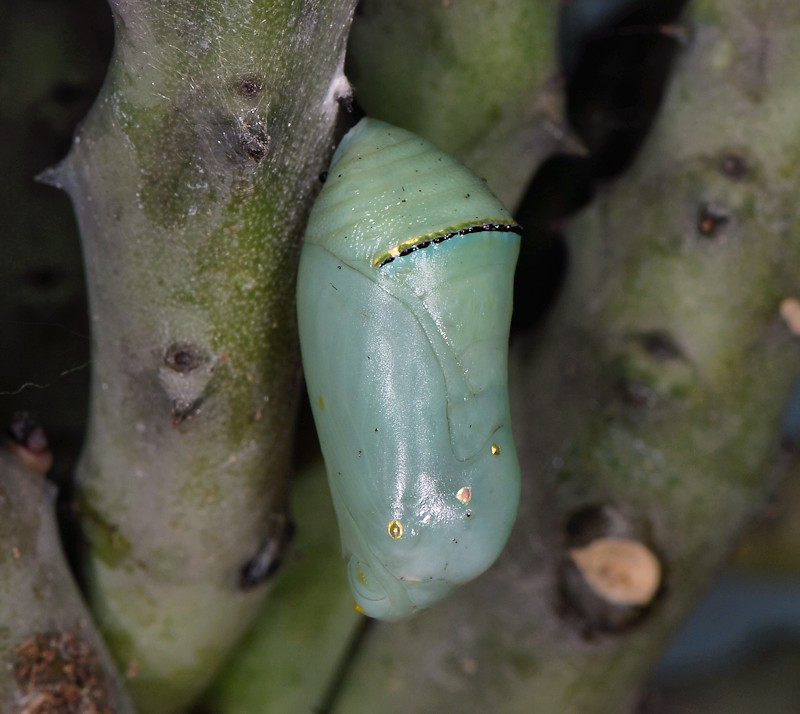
(734, 167)
(660, 345)
(184, 409)
(711, 219)
(183, 357)
(254, 143)
(250, 86)
(266, 562)
(184, 376)
(29, 443)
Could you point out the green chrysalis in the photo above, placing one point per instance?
(404, 302)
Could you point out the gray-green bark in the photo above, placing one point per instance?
(191, 179)
(650, 404)
(652, 397)
(50, 652)
(477, 79)
(292, 657)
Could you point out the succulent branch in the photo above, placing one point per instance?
(292, 657)
(648, 411)
(191, 179)
(51, 657)
(650, 408)
(478, 81)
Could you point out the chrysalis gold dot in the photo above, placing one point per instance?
(395, 529)
(495, 450)
(464, 494)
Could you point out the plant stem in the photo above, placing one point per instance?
(191, 179)
(649, 409)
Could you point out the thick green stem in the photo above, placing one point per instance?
(191, 179)
(291, 657)
(478, 79)
(650, 407)
(50, 653)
